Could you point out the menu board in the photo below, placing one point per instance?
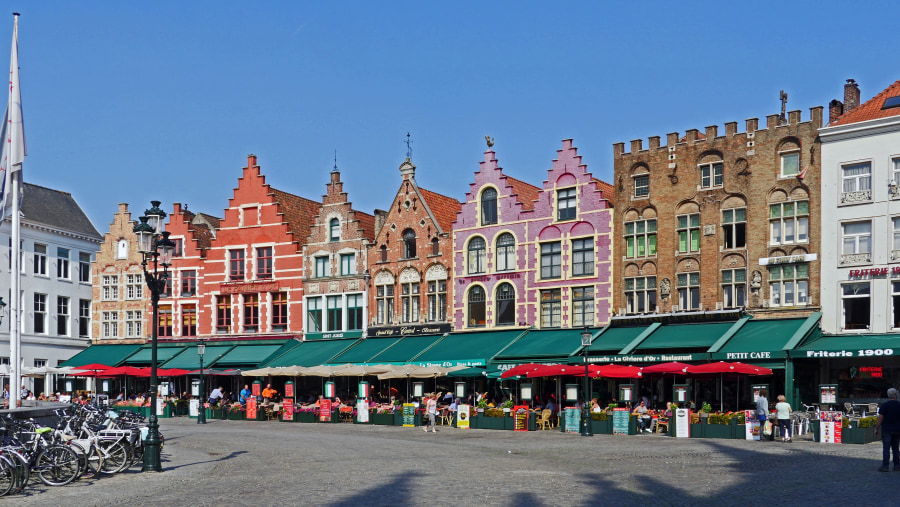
(573, 420)
(620, 421)
(830, 427)
(324, 410)
(751, 425)
(828, 394)
(521, 414)
(251, 409)
(289, 390)
(254, 388)
(680, 394)
(626, 392)
(329, 389)
(194, 408)
(682, 423)
(287, 410)
(362, 411)
(462, 417)
(160, 406)
(409, 415)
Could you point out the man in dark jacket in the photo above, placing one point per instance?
(889, 426)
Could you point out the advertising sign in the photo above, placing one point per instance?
(329, 389)
(195, 389)
(525, 392)
(459, 390)
(363, 389)
(620, 421)
(164, 389)
(194, 408)
(287, 410)
(682, 423)
(418, 389)
(160, 403)
(828, 394)
(830, 427)
(462, 417)
(255, 388)
(289, 390)
(756, 388)
(681, 393)
(362, 410)
(626, 393)
(573, 420)
(409, 415)
(521, 414)
(105, 386)
(751, 428)
(572, 393)
(251, 409)
(325, 410)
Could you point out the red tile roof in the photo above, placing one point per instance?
(527, 192)
(299, 213)
(444, 208)
(871, 110)
(366, 223)
(609, 192)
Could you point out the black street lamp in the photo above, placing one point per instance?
(156, 248)
(586, 430)
(201, 349)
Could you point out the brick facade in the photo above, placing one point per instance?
(710, 221)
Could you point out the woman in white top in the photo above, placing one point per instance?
(431, 410)
(783, 413)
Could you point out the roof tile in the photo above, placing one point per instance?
(444, 208)
(871, 110)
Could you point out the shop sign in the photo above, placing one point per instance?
(850, 353)
(287, 413)
(246, 287)
(677, 317)
(751, 425)
(573, 420)
(750, 355)
(648, 358)
(830, 427)
(362, 411)
(411, 330)
(409, 415)
(462, 417)
(448, 364)
(334, 335)
(874, 272)
(325, 410)
(682, 423)
(620, 421)
(521, 415)
(788, 259)
(488, 278)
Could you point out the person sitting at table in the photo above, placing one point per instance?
(643, 417)
(215, 396)
(551, 404)
(595, 406)
(268, 393)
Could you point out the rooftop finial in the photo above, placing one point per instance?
(489, 141)
(335, 160)
(408, 146)
(783, 96)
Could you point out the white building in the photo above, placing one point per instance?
(58, 243)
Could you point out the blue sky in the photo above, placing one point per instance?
(128, 101)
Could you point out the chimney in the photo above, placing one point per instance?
(851, 95)
(835, 110)
(815, 116)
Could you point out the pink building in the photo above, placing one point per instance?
(529, 256)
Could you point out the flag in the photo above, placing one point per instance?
(12, 132)
(802, 174)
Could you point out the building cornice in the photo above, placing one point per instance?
(860, 129)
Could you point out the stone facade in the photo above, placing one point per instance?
(712, 221)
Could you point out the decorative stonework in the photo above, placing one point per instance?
(860, 258)
(860, 196)
(353, 285)
(384, 278)
(409, 275)
(312, 288)
(334, 286)
(665, 288)
(436, 272)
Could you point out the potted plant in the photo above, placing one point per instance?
(507, 406)
(492, 419)
(382, 416)
(236, 412)
(705, 409)
(305, 414)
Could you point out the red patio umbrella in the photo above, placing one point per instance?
(674, 367)
(616, 371)
(130, 371)
(171, 372)
(521, 369)
(94, 367)
(722, 368)
(555, 370)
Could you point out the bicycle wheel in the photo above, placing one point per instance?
(57, 465)
(7, 475)
(22, 472)
(115, 457)
(89, 461)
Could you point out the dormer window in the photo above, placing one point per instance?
(566, 204)
(334, 230)
(489, 207)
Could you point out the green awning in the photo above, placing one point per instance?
(849, 345)
(759, 339)
(467, 349)
(468, 372)
(311, 353)
(615, 339)
(684, 336)
(364, 350)
(249, 356)
(109, 355)
(553, 345)
(190, 360)
(143, 357)
(406, 349)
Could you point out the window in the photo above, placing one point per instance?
(437, 300)
(435, 247)
(642, 185)
(40, 259)
(322, 267)
(122, 249)
(790, 164)
(279, 311)
(689, 291)
(476, 303)
(640, 294)
(334, 313)
(334, 230)
(179, 247)
(167, 287)
(734, 226)
(640, 238)
(409, 301)
(789, 222)
(565, 204)
(856, 300)
(551, 260)
(895, 173)
(857, 177)
(896, 226)
(189, 320)
(383, 253)
(409, 244)
(264, 263)
(40, 313)
(84, 267)
(251, 313)
(354, 312)
(582, 306)
(348, 264)
(551, 308)
(62, 316)
(249, 216)
(236, 265)
(506, 305)
(110, 324)
(489, 207)
(506, 252)
(895, 299)
(134, 286)
(110, 287)
(476, 255)
(734, 288)
(583, 257)
(133, 323)
(188, 283)
(384, 304)
(711, 175)
(84, 318)
(62, 263)
(688, 232)
(223, 314)
(857, 238)
(166, 321)
(789, 285)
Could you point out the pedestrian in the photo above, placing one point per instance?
(783, 413)
(762, 413)
(431, 410)
(245, 394)
(889, 425)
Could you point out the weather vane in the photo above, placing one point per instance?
(335, 160)
(489, 141)
(783, 96)
(408, 147)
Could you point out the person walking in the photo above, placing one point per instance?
(431, 410)
(889, 425)
(783, 413)
(762, 413)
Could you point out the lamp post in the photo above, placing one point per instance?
(201, 349)
(156, 250)
(585, 407)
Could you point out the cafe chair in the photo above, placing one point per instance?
(873, 409)
(662, 423)
(543, 420)
(446, 417)
(848, 409)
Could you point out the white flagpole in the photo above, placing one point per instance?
(15, 338)
(15, 151)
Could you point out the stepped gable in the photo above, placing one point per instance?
(609, 192)
(442, 207)
(872, 109)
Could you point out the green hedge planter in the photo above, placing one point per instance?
(382, 419)
(236, 416)
(305, 417)
(601, 427)
(856, 435)
(489, 423)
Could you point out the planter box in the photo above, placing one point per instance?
(382, 419)
(236, 416)
(491, 423)
(398, 418)
(509, 422)
(601, 427)
(718, 431)
(305, 417)
(697, 430)
(857, 435)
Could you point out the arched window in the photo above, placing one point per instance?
(334, 230)
(476, 255)
(383, 253)
(489, 207)
(435, 247)
(476, 307)
(409, 244)
(506, 305)
(506, 252)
